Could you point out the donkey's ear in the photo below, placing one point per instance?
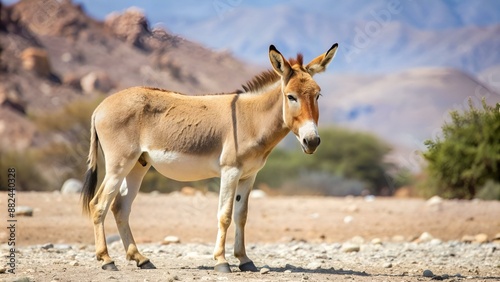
(319, 64)
(279, 63)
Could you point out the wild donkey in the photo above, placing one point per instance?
(189, 138)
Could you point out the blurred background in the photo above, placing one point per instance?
(409, 105)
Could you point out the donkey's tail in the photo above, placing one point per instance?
(90, 183)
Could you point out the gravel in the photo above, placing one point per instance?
(292, 261)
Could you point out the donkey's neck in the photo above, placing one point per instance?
(267, 114)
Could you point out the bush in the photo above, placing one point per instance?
(28, 176)
(468, 155)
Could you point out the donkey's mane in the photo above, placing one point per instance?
(268, 77)
(260, 81)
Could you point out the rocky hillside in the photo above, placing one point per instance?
(52, 53)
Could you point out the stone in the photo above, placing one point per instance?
(350, 248)
(72, 186)
(264, 270)
(287, 271)
(348, 219)
(481, 238)
(257, 194)
(24, 211)
(63, 247)
(113, 238)
(74, 263)
(314, 265)
(3, 269)
(424, 238)
(189, 191)
(47, 246)
(96, 81)
(171, 240)
(377, 241)
(428, 273)
(435, 202)
(36, 60)
(130, 26)
(387, 265)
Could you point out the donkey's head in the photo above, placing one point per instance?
(301, 93)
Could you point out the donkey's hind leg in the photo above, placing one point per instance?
(121, 208)
(98, 208)
(100, 204)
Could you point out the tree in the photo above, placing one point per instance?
(467, 155)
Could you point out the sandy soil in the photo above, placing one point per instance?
(57, 219)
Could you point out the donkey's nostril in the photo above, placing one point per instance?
(314, 142)
(311, 142)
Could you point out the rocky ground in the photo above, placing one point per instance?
(289, 238)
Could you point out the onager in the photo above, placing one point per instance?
(189, 138)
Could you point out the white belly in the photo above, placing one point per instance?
(184, 167)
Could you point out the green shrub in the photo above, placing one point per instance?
(29, 176)
(468, 154)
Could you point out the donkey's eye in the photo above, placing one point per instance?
(291, 98)
(317, 97)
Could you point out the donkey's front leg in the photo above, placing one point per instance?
(240, 219)
(229, 180)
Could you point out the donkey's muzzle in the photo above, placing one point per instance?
(310, 143)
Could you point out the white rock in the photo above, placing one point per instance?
(435, 202)
(481, 238)
(24, 211)
(257, 194)
(348, 219)
(264, 270)
(171, 240)
(387, 265)
(96, 81)
(369, 198)
(377, 241)
(113, 238)
(425, 237)
(314, 265)
(350, 247)
(72, 186)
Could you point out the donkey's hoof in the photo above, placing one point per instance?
(222, 267)
(248, 266)
(109, 266)
(147, 265)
